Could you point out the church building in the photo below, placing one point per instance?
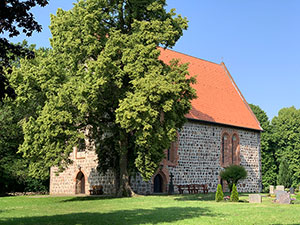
(221, 130)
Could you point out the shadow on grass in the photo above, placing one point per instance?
(203, 197)
(196, 197)
(131, 217)
(88, 198)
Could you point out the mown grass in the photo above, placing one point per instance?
(176, 209)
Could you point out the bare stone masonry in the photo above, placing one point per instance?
(198, 161)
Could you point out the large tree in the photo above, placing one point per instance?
(15, 15)
(286, 135)
(268, 156)
(13, 168)
(103, 76)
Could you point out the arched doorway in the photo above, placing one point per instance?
(80, 183)
(158, 184)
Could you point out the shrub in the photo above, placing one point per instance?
(219, 193)
(234, 197)
(284, 174)
(232, 174)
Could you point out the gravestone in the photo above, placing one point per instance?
(280, 188)
(254, 198)
(271, 189)
(284, 199)
(292, 191)
(278, 193)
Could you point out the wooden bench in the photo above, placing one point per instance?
(96, 190)
(204, 188)
(193, 188)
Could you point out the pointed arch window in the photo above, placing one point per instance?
(235, 156)
(224, 148)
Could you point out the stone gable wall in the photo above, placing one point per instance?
(64, 183)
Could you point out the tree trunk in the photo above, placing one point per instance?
(124, 189)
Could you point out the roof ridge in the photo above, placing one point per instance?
(191, 56)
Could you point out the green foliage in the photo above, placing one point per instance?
(232, 174)
(219, 194)
(14, 173)
(284, 174)
(286, 135)
(103, 78)
(268, 157)
(234, 197)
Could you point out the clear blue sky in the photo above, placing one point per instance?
(259, 41)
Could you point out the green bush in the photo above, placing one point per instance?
(232, 174)
(219, 194)
(284, 174)
(234, 197)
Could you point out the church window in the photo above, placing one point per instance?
(234, 150)
(81, 146)
(224, 147)
(171, 156)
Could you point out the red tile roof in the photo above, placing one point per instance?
(219, 99)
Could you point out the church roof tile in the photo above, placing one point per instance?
(219, 99)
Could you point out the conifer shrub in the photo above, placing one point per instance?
(234, 197)
(284, 174)
(219, 194)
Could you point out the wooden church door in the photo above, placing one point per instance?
(158, 183)
(80, 183)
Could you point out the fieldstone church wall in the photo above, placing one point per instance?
(200, 156)
(198, 160)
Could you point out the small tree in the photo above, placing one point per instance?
(284, 175)
(232, 174)
(234, 197)
(219, 193)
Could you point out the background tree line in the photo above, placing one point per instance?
(280, 147)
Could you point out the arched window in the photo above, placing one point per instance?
(171, 155)
(224, 148)
(81, 145)
(234, 150)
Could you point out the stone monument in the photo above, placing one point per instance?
(254, 198)
(280, 188)
(271, 189)
(284, 198)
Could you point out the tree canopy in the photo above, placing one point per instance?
(268, 157)
(102, 80)
(280, 145)
(232, 174)
(286, 135)
(15, 15)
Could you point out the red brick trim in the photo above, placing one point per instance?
(228, 144)
(164, 172)
(76, 149)
(85, 180)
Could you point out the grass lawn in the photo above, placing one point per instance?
(176, 209)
